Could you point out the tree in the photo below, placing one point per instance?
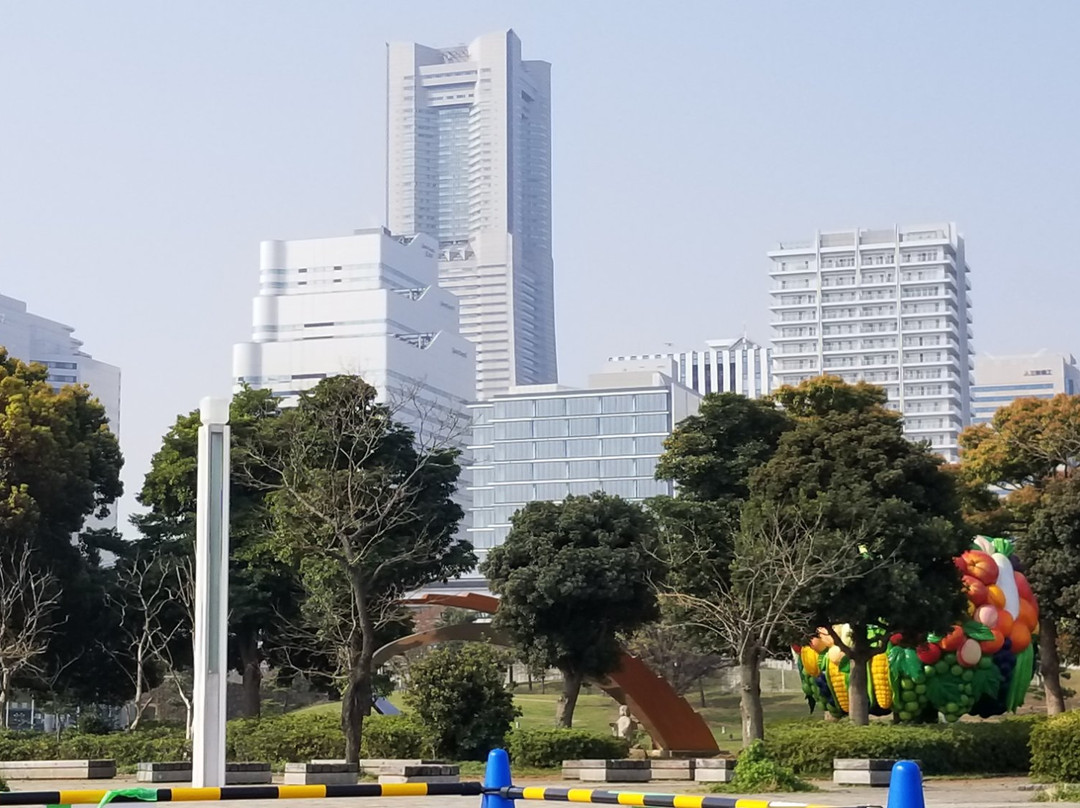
(263, 590)
(885, 501)
(750, 598)
(366, 514)
(572, 576)
(710, 455)
(59, 466)
(1051, 554)
(28, 600)
(675, 653)
(1028, 447)
(459, 694)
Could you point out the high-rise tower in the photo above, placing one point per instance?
(469, 163)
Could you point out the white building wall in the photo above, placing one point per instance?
(725, 366)
(469, 163)
(1001, 380)
(33, 338)
(890, 307)
(368, 304)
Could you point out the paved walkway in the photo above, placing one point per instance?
(1002, 792)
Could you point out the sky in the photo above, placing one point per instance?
(146, 148)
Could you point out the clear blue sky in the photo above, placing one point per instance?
(146, 149)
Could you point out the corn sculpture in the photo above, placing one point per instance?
(982, 667)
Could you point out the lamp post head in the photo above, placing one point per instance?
(214, 411)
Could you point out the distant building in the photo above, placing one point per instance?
(33, 338)
(1000, 380)
(469, 163)
(545, 442)
(724, 366)
(368, 304)
(889, 307)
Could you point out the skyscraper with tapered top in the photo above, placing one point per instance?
(469, 163)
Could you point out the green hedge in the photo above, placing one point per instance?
(548, 748)
(297, 737)
(1055, 749)
(991, 747)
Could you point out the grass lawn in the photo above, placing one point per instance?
(595, 710)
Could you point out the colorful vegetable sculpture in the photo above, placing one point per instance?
(982, 667)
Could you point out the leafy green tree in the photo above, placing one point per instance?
(459, 694)
(1050, 551)
(263, 590)
(886, 502)
(572, 577)
(59, 466)
(368, 517)
(710, 455)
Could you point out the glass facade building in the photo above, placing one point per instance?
(545, 443)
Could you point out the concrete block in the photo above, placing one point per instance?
(321, 774)
(714, 770)
(57, 769)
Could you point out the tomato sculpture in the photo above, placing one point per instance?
(982, 666)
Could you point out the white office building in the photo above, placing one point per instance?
(737, 365)
(1000, 380)
(469, 163)
(544, 442)
(33, 338)
(889, 307)
(368, 304)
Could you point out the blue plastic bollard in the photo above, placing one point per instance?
(905, 786)
(497, 775)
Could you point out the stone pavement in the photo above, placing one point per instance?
(1003, 792)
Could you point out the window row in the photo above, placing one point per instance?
(509, 498)
(581, 427)
(581, 405)
(575, 469)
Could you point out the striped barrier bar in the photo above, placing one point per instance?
(95, 796)
(642, 800)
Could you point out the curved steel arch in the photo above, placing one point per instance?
(669, 719)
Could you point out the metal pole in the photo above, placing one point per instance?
(211, 595)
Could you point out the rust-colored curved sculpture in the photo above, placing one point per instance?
(668, 718)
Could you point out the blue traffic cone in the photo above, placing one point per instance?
(497, 775)
(905, 786)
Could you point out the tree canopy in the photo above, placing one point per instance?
(572, 576)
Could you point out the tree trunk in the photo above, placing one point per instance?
(251, 700)
(355, 706)
(858, 695)
(357, 700)
(701, 692)
(750, 709)
(1050, 668)
(564, 708)
(4, 686)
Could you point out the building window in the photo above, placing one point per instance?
(583, 405)
(585, 426)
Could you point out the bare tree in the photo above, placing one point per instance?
(28, 600)
(753, 596)
(366, 510)
(148, 588)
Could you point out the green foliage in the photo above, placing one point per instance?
(990, 747)
(458, 696)
(1055, 749)
(395, 736)
(127, 748)
(572, 576)
(1062, 792)
(1051, 551)
(829, 395)
(711, 454)
(756, 773)
(548, 748)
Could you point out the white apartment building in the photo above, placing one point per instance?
(737, 365)
(33, 338)
(890, 307)
(1000, 380)
(469, 163)
(368, 304)
(545, 442)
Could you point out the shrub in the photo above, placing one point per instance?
(999, 747)
(127, 748)
(458, 695)
(3, 785)
(1055, 749)
(548, 748)
(292, 738)
(756, 772)
(395, 736)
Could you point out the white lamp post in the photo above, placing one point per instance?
(211, 595)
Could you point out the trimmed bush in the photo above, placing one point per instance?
(548, 748)
(395, 736)
(756, 773)
(127, 748)
(1055, 749)
(293, 738)
(998, 747)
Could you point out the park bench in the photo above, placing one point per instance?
(57, 769)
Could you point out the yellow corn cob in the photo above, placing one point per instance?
(879, 672)
(839, 686)
(811, 661)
